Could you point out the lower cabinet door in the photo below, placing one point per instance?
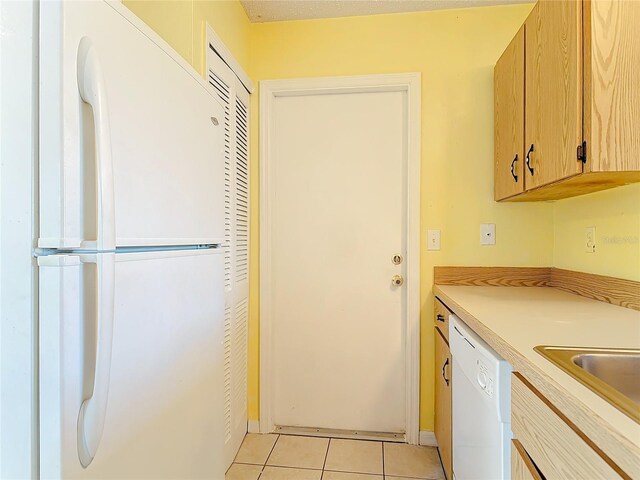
(557, 448)
(522, 468)
(443, 403)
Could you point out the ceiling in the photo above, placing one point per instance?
(278, 10)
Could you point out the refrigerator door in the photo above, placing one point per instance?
(131, 365)
(131, 138)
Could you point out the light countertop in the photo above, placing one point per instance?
(513, 320)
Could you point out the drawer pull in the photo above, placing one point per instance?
(444, 369)
(513, 173)
(528, 159)
(440, 317)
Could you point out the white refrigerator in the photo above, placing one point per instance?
(129, 252)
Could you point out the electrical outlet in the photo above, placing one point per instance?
(590, 239)
(433, 239)
(487, 234)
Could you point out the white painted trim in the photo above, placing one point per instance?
(253, 426)
(406, 82)
(428, 439)
(215, 44)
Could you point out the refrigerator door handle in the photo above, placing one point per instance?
(92, 91)
(93, 410)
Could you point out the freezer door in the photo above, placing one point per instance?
(131, 138)
(131, 365)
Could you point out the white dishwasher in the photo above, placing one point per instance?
(481, 407)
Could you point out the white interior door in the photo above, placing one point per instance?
(163, 412)
(338, 213)
(235, 99)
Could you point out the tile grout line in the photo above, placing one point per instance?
(266, 459)
(262, 466)
(326, 455)
(384, 472)
(273, 447)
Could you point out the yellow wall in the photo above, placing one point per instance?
(181, 23)
(616, 215)
(455, 52)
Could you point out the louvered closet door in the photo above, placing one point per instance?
(236, 261)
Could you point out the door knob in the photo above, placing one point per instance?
(397, 280)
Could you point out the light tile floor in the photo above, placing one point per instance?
(288, 457)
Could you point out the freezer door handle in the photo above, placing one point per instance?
(92, 91)
(93, 410)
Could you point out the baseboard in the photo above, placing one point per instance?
(253, 426)
(428, 439)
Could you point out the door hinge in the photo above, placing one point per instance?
(582, 152)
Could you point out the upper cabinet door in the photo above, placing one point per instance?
(553, 106)
(509, 119)
(612, 76)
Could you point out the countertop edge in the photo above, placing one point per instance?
(619, 448)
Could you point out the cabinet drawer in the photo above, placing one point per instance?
(522, 468)
(441, 319)
(556, 447)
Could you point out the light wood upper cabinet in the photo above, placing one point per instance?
(553, 114)
(612, 87)
(442, 427)
(581, 117)
(509, 119)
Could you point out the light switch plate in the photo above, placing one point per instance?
(487, 234)
(433, 239)
(590, 239)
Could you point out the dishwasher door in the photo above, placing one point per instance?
(481, 407)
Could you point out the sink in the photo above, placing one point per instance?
(619, 370)
(612, 373)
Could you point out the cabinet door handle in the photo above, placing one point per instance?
(513, 173)
(440, 317)
(444, 369)
(528, 159)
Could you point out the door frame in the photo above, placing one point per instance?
(401, 82)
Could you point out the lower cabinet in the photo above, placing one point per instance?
(443, 396)
(547, 445)
(522, 467)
